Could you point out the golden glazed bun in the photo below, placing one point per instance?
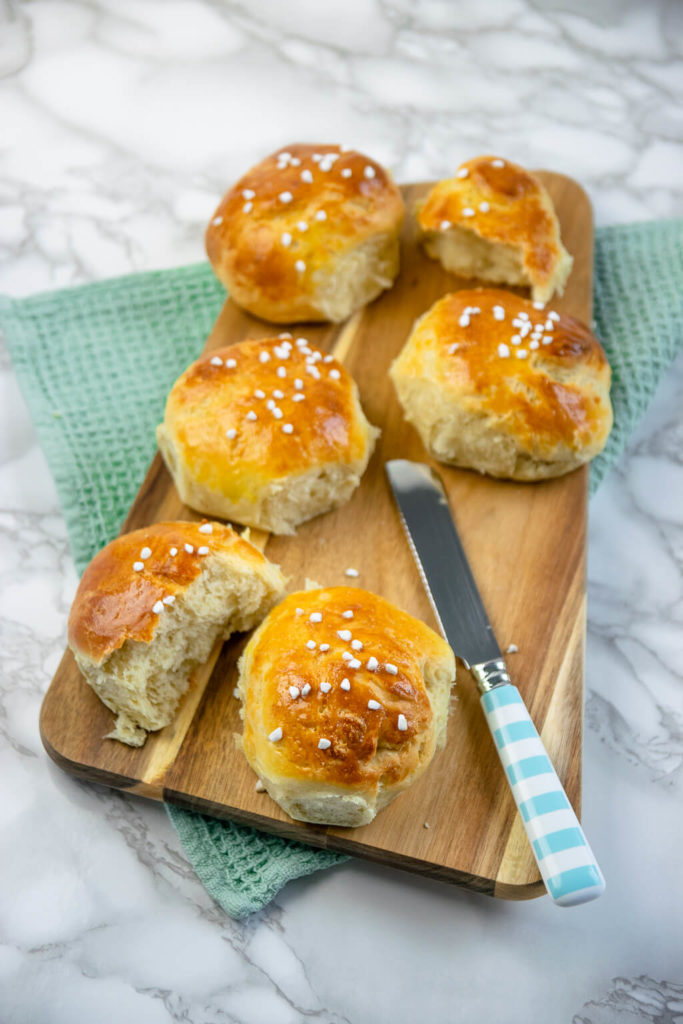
(310, 233)
(150, 607)
(496, 222)
(499, 384)
(345, 701)
(268, 433)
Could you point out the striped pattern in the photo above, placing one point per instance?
(565, 859)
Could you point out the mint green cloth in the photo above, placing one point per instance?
(95, 364)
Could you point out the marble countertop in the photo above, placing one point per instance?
(121, 123)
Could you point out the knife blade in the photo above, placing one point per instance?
(567, 864)
(431, 533)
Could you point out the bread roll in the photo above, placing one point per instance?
(495, 221)
(345, 701)
(150, 607)
(496, 383)
(310, 233)
(268, 433)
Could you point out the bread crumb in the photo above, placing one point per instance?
(511, 649)
(426, 825)
(259, 787)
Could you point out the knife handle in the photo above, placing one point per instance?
(566, 862)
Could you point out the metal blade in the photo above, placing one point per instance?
(442, 562)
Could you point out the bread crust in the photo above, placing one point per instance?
(366, 758)
(497, 202)
(493, 383)
(251, 422)
(305, 225)
(115, 599)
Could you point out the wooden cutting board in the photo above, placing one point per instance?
(527, 547)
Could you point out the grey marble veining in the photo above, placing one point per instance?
(121, 123)
(140, 119)
(628, 999)
(636, 602)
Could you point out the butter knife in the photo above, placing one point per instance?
(568, 867)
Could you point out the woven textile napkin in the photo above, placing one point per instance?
(95, 364)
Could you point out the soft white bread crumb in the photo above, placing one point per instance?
(356, 276)
(278, 505)
(466, 254)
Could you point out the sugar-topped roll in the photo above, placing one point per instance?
(267, 433)
(309, 233)
(344, 703)
(495, 221)
(505, 386)
(150, 607)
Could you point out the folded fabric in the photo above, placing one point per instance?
(95, 364)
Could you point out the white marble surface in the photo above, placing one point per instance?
(121, 122)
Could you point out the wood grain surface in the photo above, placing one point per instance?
(526, 544)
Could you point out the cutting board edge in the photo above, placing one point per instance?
(79, 770)
(319, 837)
(491, 886)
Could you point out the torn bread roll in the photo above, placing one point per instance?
(344, 702)
(151, 605)
(309, 233)
(495, 221)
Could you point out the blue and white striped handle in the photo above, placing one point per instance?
(566, 861)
